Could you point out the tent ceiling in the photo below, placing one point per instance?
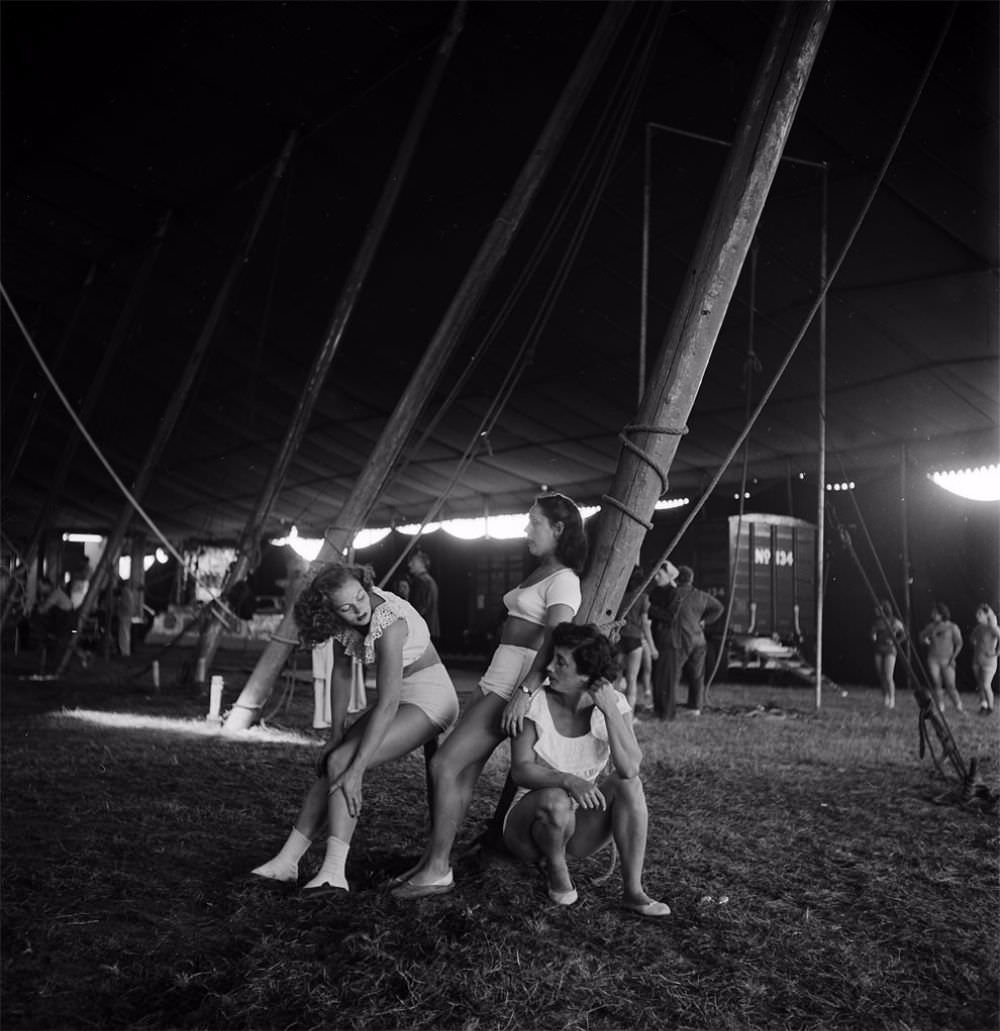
(115, 113)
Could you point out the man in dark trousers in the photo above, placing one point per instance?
(424, 592)
(660, 597)
(691, 611)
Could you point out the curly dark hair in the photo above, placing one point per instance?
(593, 653)
(571, 545)
(314, 612)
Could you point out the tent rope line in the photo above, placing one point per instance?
(810, 315)
(95, 447)
(551, 231)
(625, 99)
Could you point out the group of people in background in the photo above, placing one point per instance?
(942, 641)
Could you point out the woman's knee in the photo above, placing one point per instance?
(628, 789)
(554, 806)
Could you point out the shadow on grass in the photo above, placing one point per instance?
(851, 901)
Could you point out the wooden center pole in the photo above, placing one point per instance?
(390, 445)
(697, 317)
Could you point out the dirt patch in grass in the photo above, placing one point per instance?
(852, 900)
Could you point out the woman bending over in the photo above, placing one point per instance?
(415, 702)
(548, 596)
(563, 807)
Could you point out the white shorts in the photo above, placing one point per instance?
(508, 667)
(431, 691)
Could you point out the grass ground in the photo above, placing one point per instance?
(857, 898)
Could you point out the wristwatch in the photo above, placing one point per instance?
(527, 690)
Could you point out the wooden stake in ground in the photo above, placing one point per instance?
(641, 477)
(109, 557)
(387, 450)
(249, 541)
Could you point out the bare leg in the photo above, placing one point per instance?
(646, 674)
(408, 730)
(454, 771)
(633, 660)
(948, 676)
(984, 681)
(538, 829)
(934, 668)
(627, 820)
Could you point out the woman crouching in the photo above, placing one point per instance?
(574, 724)
(415, 702)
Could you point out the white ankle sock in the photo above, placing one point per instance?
(333, 869)
(285, 865)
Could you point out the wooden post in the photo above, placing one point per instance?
(458, 316)
(904, 530)
(17, 453)
(249, 542)
(699, 312)
(821, 487)
(164, 431)
(118, 336)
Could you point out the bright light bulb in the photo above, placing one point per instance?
(980, 484)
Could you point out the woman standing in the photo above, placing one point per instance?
(548, 596)
(887, 632)
(415, 702)
(636, 637)
(574, 725)
(943, 640)
(985, 641)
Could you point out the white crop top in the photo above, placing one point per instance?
(583, 756)
(362, 646)
(529, 603)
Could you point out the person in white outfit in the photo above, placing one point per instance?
(415, 702)
(564, 806)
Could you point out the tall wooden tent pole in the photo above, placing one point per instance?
(821, 487)
(250, 538)
(38, 402)
(118, 337)
(904, 532)
(456, 319)
(112, 549)
(697, 317)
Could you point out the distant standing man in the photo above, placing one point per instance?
(692, 611)
(944, 641)
(424, 591)
(660, 597)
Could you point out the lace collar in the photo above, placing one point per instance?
(362, 646)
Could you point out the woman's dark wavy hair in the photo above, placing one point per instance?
(942, 610)
(593, 653)
(315, 615)
(571, 545)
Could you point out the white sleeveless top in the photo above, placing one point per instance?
(362, 646)
(584, 756)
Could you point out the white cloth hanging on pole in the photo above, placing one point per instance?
(322, 670)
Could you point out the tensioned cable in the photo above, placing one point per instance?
(751, 365)
(626, 104)
(553, 228)
(810, 315)
(84, 432)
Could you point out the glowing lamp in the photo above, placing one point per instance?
(980, 484)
